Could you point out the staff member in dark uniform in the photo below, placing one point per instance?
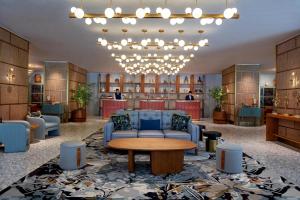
(118, 95)
(189, 97)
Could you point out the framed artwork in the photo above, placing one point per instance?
(38, 78)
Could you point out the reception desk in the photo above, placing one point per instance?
(152, 105)
(110, 106)
(192, 108)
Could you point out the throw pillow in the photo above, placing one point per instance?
(121, 122)
(35, 114)
(180, 122)
(150, 124)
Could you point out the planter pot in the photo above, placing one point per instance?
(219, 117)
(78, 115)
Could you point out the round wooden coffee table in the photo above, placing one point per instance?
(166, 155)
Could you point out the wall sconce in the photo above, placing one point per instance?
(10, 76)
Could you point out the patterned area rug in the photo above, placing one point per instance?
(106, 177)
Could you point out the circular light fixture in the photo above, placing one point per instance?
(103, 42)
(140, 13)
(158, 10)
(173, 22)
(118, 10)
(219, 21)
(79, 13)
(124, 42)
(203, 21)
(99, 39)
(147, 10)
(73, 9)
(228, 13)
(144, 43)
(161, 43)
(188, 10)
(181, 43)
(88, 21)
(197, 13)
(123, 57)
(109, 13)
(166, 13)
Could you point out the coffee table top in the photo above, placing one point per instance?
(151, 144)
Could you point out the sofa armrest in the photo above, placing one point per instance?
(50, 118)
(108, 129)
(23, 122)
(193, 129)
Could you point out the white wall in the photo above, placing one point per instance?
(266, 78)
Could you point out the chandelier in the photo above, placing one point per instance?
(152, 63)
(157, 13)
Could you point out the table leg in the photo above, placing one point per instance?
(131, 164)
(165, 162)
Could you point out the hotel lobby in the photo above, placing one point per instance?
(156, 99)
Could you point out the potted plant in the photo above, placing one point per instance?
(219, 115)
(82, 96)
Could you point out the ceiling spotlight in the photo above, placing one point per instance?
(197, 13)
(188, 10)
(99, 39)
(219, 21)
(173, 22)
(118, 10)
(192, 55)
(203, 21)
(79, 13)
(140, 13)
(201, 43)
(123, 57)
(88, 21)
(113, 55)
(132, 21)
(181, 43)
(109, 13)
(166, 13)
(129, 40)
(161, 43)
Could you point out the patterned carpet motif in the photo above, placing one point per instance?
(106, 177)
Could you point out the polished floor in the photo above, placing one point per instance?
(279, 160)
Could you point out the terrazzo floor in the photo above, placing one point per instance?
(279, 159)
(14, 166)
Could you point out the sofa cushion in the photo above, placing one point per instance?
(167, 117)
(125, 134)
(177, 134)
(150, 124)
(151, 134)
(49, 125)
(180, 122)
(149, 114)
(121, 122)
(133, 115)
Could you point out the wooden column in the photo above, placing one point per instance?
(142, 83)
(107, 84)
(122, 82)
(131, 164)
(192, 82)
(271, 128)
(157, 83)
(177, 83)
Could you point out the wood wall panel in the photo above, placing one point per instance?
(228, 84)
(4, 35)
(18, 111)
(286, 46)
(13, 93)
(298, 41)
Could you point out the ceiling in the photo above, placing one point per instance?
(251, 39)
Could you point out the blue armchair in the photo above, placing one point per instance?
(47, 125)
(14, 134)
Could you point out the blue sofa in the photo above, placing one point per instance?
(14, 135)
(48, 125)
(165, 117)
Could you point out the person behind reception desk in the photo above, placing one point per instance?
(189, 97)
(118, 95)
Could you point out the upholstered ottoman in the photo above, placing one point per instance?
(229, 158)
(72, 155)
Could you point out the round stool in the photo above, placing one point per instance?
(72, 155)
(229, 158)
(211, 141)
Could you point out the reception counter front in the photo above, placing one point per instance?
(110, 106)
(192, 108)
